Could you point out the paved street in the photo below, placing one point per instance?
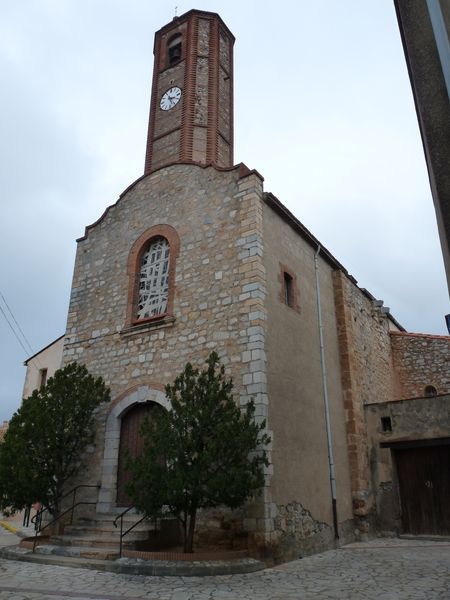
(378, 570)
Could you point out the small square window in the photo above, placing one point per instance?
(386, 424)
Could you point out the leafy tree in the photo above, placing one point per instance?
(46, 437)
(204, 452)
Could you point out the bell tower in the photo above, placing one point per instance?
(191, 108)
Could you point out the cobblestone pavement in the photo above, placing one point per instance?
(378, 570)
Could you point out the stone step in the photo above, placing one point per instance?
(140, 531)
(85, 552)
(130, 516)
(107, 522)
(90, 541)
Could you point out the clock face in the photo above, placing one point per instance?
(170, 98)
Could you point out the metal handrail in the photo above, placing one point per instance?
(37, 518)
(124, 533)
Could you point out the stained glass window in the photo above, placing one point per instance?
(154, 280)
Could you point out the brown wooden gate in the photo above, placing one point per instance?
(424, 480)
(131, 440)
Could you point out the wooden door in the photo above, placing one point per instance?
(131, 440)
(424, 480)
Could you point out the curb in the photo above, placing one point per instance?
(141, 567)
(10, 528)
(18, 531)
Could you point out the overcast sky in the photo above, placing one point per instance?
(323, 110)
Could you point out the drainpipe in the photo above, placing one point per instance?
(325, 400)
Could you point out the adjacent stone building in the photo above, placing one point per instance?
(196, 256)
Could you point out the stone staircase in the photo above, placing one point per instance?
(94, 544)
(97, 538)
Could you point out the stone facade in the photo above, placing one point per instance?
(419, 361)
(225, 284)
(367, 376)
(230, 241)
(320, 357)
(219, 292)
(294, 384)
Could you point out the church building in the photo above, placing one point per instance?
(196, 256)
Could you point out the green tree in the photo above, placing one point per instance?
(203, 452)
(46, 437)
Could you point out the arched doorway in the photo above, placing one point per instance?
(119, 407)
(131, 442)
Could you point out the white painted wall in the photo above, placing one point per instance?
(49, 358)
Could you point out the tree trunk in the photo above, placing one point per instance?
(184, 523)
(189, 538)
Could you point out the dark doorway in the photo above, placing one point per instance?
(424, 480)
(131, 440)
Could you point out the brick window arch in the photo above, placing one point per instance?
(174, 49)
(151, 275)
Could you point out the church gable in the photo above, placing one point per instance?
(182, 206)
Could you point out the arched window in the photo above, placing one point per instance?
(154, 280)
(151, 275)
(430, 391)
(174, 49)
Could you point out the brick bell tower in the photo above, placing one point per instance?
(191, 109)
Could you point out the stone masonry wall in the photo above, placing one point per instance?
(367, 377)
(420, 360)
(300, 493)
(415, 419)
(218, 304)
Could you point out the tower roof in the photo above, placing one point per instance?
(199, 13)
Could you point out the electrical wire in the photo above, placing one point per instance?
(13, 330)
(18, 326)
(27, 351)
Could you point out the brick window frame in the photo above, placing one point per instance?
(294, 295)
(174, 42)
(134, 270)
(165, 62)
